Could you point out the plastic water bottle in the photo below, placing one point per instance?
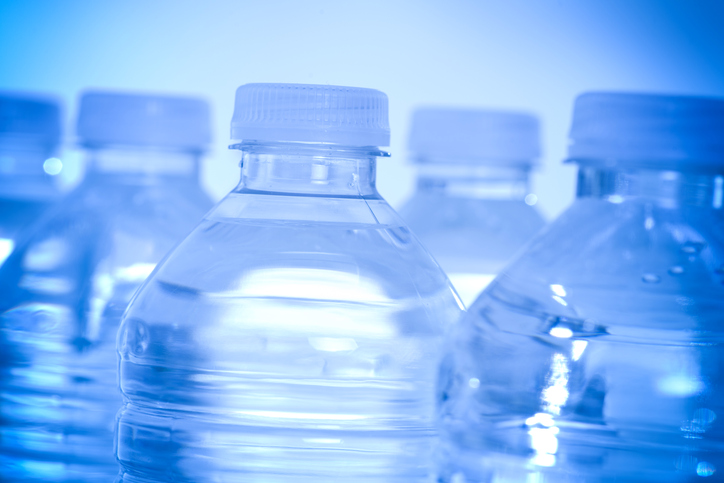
(67, 284)
(293, 336)
(29, 136)
(473, 208)
(597, 355)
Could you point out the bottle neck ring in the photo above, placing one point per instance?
(141, 164)
(666, 188)
(494, 182)
(311, 169)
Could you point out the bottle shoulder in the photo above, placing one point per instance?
(98, 229)
(628, 265)
(346, 251)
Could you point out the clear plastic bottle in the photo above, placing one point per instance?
(473, 208)
(67, 284)
(597, 355)
(293, 335)
(29, 136)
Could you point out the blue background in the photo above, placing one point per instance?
(535, 55)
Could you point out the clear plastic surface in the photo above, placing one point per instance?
(29, 135)
(64, 289)
(292, 336)
(26, 192)
(473, 219)
(597, 355)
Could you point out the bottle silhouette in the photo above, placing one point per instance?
(293, 335)
(596, 356)
(473, 208)
(29, 136)
(68, 282)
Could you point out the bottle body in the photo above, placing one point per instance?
(26, 192)
(66, 286)
(291, 337)
(596, 355)
(473, 219)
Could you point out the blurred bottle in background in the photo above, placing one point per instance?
(293, 336)
(67, 283)
(597, 355)
(29, 137)
(473, 208)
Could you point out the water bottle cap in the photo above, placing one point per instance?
(112, 118)
(28, 120)
(474, 135)
(350, 116)
(641, 129)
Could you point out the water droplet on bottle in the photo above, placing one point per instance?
(676, 270)
(650, 278)
(693, 247)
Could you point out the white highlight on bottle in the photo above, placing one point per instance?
(531, 199)
(332, 344)
(561, 332)
(718, 192)
(53, 166)
(578, 347)
(560, 300)
(556, 393)
(558, 290)
(6, 248)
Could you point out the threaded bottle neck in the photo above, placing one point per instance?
(312, 169)
(666, 188)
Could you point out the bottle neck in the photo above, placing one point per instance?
(27, 172)
(142, 166)
(668, 189)
(311, 169)
(475, 181)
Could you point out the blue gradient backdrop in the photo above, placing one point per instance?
(535, 55)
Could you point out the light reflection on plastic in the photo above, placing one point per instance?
(705, 468)
(531, 199)
(6, 248)
(718, 192)
(310, 283)
(138, 272)
(561, 332)
(333, 344)
(544, 419)
(560, 300)
(53, 166)
(682, 385)
(470, 285)
(291, 415)
(578, 347)
(558, 290)
(543, 438)
(46, 255)
(555, 395)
